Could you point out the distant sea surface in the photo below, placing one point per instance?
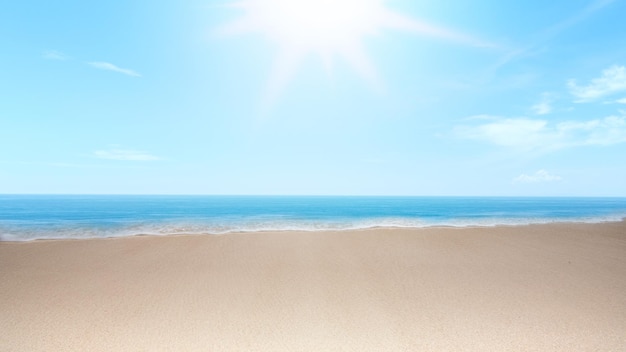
(31, 217)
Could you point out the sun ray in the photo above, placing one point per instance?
(356, 57)
(401, 22)
(327, 60)
(283, 69)
(328, 29)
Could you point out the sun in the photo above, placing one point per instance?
(327, 28)
(314, 25)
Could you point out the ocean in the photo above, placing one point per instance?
(32, 217)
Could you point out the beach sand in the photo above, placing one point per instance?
(556, 287)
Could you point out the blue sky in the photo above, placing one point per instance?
(214, 97)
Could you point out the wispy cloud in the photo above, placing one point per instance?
(125, 155)
(64, 164)
(590, 9)
(101, 65)
(111, 67)
(55, 55)
(613, 80)
(538, 177)
(621, 101)
(527, 134)
(553, 31)
(543, 107)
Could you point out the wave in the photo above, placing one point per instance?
(73, 231)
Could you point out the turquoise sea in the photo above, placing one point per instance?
(30, 217)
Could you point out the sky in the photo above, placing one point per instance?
(303, 97)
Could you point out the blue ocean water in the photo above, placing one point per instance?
(29, 217)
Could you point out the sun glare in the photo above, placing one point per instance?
(327, 28)
(315, 25)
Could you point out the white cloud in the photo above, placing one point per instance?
(110, 67)
(55, 55)
(506, 132)
(621, 101)
(613, 80)
(124, 154)
(527, 134)
(537, 177)
(544, 107)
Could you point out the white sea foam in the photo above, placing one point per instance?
(18, 234)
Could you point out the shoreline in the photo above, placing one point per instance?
(371, 228)
(537, 287)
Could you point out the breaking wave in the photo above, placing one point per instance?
(30, 232)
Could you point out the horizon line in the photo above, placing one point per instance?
(307, 195)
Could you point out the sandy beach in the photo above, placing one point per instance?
(557, 287)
